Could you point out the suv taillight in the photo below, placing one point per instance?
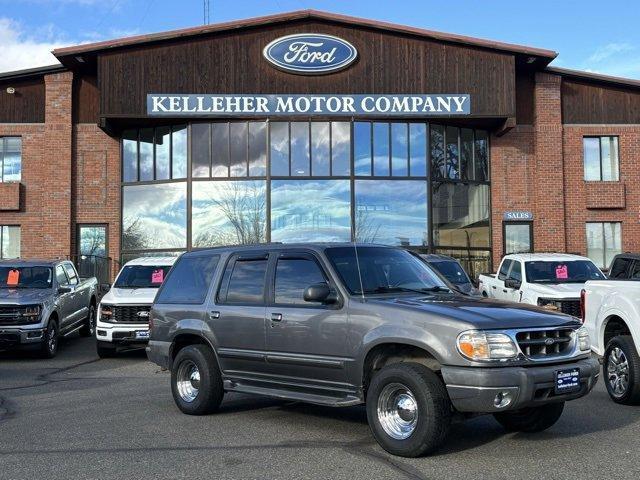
(583, 301)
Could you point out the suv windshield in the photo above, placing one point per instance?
(452, 271)
(25, 277)
(575, 271)
(383, 270)
(142, 276)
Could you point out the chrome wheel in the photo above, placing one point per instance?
(52, 338)
(618, 372)
(397, 411)
(188, 381)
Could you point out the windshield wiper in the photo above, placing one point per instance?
(436, 288)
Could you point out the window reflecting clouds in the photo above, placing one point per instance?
(362, 148)
(341, 148)
(146, 154)
(279, 148)
(238, 149)
(130, 156)
(163, 152)
(228, 212)
(10, 159)
(310, 211)
(220, 150)
(179, 152)
(320, 149)
(399, 150)
(300, 149)
(154, 216)
(418, 142)
(392, 212)
(381, 149)
(257, 149)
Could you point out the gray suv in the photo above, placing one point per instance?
(339, 325)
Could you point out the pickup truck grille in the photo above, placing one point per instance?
(570, 307)
(127, 314)
(541, 344)
(12, 315)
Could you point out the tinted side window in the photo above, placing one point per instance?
(293, 276)
(516, 272)
(71, 273)
(504, 269)
(635, 272)
(61, 277)
(189, 280)
(247, 281)
(619, 268)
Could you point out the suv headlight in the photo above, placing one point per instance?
(481, 345)
(584, 343)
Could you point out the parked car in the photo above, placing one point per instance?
(43, 300)
(611, 312)
(340, 325)
(123, 316)
(550, 280)
(451, 269)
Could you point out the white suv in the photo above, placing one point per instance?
(123, 314)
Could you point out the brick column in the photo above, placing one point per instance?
(55, 233)
(549, 214)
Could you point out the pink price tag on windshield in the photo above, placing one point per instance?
(13, 278)
(562, 272)
(157, 276)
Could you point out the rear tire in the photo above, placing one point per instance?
(51, 337)
(196, 383)
(408, 409)
(621, 370)
(532, 419)
(89, 327)
(105, 349)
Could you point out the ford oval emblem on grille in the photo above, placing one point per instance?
(549, 341)
(310, 53)
(143, 313)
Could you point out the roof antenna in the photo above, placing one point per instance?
(206, 12)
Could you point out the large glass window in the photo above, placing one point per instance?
(154, 216)
(604, 241)
(10, 159)
(228, 212)
(293, 276)
(154, 154)
(601, 158)
(392, 212)
(461, 215)
(310, 211)
(459, 153)
(9, 241)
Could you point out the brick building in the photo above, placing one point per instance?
(162, 143)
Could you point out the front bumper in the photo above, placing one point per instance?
(474, 389)
(124, 334)
(10, 337)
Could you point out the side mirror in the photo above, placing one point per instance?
(511, 283)
(319, 292)
(63, 290)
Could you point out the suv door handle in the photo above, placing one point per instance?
(214, 314)
(276, 317)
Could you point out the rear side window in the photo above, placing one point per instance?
(246, 281)
(293, 276)
(189, 280)
(504, 269)
(619, 268)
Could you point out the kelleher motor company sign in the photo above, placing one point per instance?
(310, 53)
(419, 105)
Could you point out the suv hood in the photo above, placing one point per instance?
(556, 290)
(138, 296)
(480, 312)
(24, 296)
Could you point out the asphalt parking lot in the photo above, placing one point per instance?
(80, 417)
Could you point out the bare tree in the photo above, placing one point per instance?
(133, 237)
(366, 229)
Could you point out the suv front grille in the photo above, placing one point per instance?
(127, 314)
(570, 307)
(542, 344)
(13, 315)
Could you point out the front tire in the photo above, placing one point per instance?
(196, 383)
(105, 349)
(49, 346)
(408, 409)
(89, 327)
(621, 370)
(532, 419)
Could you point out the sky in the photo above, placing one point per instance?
(590, 35)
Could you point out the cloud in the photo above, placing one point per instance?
(26, 50)
(617, 59)
(609, 50)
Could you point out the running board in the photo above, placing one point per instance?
(75, 329)
(284, 394)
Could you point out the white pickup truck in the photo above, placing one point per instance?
(549, 280)
(612, 316)
(123, 313)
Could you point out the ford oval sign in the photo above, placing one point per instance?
(310, 53)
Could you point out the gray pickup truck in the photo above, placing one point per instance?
(339, 325)
(42, 300)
